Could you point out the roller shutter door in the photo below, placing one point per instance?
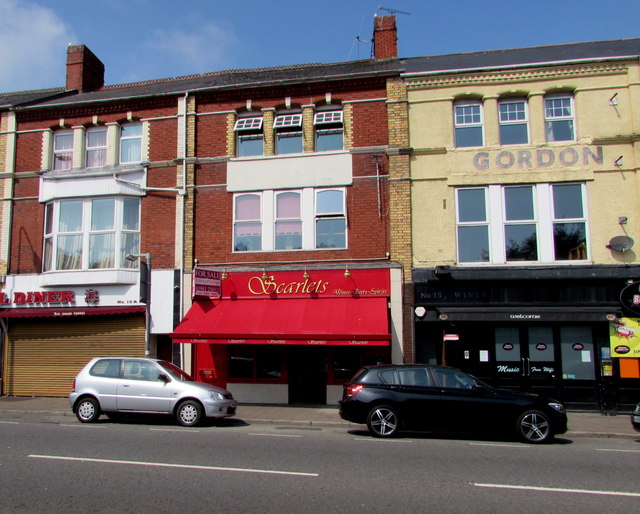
(43, 355)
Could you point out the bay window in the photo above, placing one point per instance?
(93, 233)
(521, 223)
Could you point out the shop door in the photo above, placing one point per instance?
(308, 376)
(578, 365)
(525, 359)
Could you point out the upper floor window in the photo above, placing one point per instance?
(131, 142)
(288, 129)
(329, 130)
(91, 233)
(331, 219)
(530, 223)
(63, 150)
(247, 225)
(249, 136)
(96, 148)
(288, 221)
(305, 219)
(513, 117)
(468, 122)
(559, 118)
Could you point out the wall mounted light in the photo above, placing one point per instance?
(305, 275)
(264, 274)
(613, 100)
(622, 220)
(618, 161)
(224, 275)
(347, 273)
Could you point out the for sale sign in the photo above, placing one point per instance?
(206, 283)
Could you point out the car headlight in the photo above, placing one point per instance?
(556, 406)
(216, 395)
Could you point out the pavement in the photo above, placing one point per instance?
(581, 424)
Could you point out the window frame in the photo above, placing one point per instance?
(459, 124)
(511, 123)
(249, 128)
(58, 153)
(308, 218)
(544, 219)
(549, 119)
(288, 128)
(329, 123)
(124, 138)
(90, 150)
(54, 234)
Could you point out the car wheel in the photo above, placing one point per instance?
(189, 413)
(533, 426)
(88, 410)
(382, 421)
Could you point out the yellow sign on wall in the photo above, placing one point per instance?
(624, 337)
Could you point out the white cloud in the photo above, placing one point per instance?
(33, 42)
(204, 47)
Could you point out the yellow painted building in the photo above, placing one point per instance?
(524, 207)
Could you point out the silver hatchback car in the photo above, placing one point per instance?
(114, 385)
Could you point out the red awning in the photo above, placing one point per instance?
(330, 321)
(67, 312)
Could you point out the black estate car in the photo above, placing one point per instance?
(390, 398)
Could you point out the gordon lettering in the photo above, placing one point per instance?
(540, 158)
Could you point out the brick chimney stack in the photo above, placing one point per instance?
(84, 70)
(385, 37)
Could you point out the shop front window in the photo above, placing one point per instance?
(255, 363)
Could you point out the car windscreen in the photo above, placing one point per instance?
(175, 371)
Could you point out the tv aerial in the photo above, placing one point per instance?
(392, 11)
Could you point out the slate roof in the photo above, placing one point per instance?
(26, 97)
(319, 72)
(531, 56)
(233, 79)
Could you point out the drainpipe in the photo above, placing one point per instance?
(183, 199)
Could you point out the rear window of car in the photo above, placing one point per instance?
(109, 368)
(414, 377)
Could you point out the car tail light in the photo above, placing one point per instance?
(351, 390)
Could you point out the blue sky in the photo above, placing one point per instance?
(147, 39)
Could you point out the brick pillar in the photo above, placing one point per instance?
(267, 129)
(308, 130)
(400, 227)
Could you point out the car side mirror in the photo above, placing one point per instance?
(164, 378)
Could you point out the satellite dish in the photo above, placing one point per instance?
(620, 243)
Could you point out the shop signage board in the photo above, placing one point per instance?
(338, 283)
(624, 336)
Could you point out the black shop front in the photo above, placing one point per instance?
(544, 330)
